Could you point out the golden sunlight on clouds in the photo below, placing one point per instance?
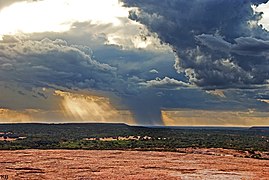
(188, 117)
(10, 116)
(264, 100)
(59, 15)
(72, 107)
(90, 108)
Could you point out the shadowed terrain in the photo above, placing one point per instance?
(98, 136)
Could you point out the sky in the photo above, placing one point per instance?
(169, 62)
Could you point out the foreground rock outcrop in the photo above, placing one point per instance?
(112, 164)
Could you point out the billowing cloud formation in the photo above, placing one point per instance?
(130, 63)
(264, 9)
(165, 83)
(44, 63)
(32, 17)
(245, 46)
(55, 64)
(58, 64)
(219, 43)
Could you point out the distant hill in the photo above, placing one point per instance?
(260, 128)
(72, 130)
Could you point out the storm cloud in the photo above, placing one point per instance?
(171, 54)
(56, 64)
(46, 62)
(219, 44)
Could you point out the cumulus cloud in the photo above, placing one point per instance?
(134, 59)
(56, 64)
(205, 71)
(154, 71)
(245, 46)
(215, 50)
(264, 9)
(41, 63)
(166, 82)
(114, 25)
(249, 46)
(214, 42)
(249, 57)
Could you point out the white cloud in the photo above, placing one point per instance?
(6, 3)
(154, 71)
(58, 16)
(265, 16)
(104, 17)
(165, 83)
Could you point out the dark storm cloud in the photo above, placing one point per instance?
(216, 46)
(33, 64)
(245, 46)
(219, 43)
(249, 46)
(247, 55)
(47, 62)
(214, 42)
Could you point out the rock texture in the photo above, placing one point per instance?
(112, 164)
